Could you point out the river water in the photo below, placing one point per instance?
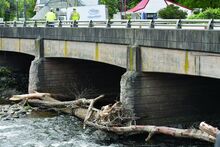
(66, 131)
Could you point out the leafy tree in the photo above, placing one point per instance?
(4, 5)
(9, 9)
(172, 12)
(132, 3)
(209, 13)
(112, 5)
(200, 3)
(115, 6)
(30, 4)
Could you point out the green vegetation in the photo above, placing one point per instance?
(9, 9)
(7, 83)
(4, 5)
(30, 4)
(172, 12)
(112, 5)
(6, 78)
(115, 6)
(209, 13)
(200, 3)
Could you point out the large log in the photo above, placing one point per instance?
(208, 129)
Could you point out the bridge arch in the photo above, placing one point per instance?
(75, 77)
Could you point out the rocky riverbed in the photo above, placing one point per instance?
(8, 112)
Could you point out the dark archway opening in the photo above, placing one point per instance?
(81, 78)
(171, 98)
(18, 65)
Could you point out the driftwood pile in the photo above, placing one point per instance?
(112, 118)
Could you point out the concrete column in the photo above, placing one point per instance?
(128, 91)
(36, 75)
(39, 47)
(36, 72)
(133, 58)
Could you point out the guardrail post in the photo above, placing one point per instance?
(128, 25)
(35, 23)
(108, 24)
(178, 24)
(14, 24)
(152, 24)
(60, 24)
(47, 24)
(24, 24)
(91, 24)
(5, 25)
(210, 25)
(75, 24)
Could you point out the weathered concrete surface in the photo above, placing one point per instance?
(106, 53)
(145, 59)
(26, 46)
(75, 78)
(163, 99)
(196, 40)
(180, 62)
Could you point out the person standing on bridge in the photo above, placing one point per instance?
(75, 15)
(50, 18)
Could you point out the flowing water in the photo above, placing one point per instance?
(64, 131)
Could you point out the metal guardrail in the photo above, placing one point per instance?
(158, 23)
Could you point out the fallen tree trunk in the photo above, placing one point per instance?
(134, 129)
(208, 129)
(110, 118)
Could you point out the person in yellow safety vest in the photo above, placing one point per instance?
(75, 15)
(50, 17)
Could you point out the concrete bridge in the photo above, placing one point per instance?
(165, 76)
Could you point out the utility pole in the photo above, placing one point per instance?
(125, 6)
(17, 10)
(25, 9)
(122, 5)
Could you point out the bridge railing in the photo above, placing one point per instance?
(158, 23)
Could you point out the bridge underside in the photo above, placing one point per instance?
(75, 78)
(164, 99)
(19, 64)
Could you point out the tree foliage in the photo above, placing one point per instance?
(4, 5)
(115, 6)
(172, 12)
(200, 3)
(8, 9)
(30, 4)
(209, 13)
(112, 5)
